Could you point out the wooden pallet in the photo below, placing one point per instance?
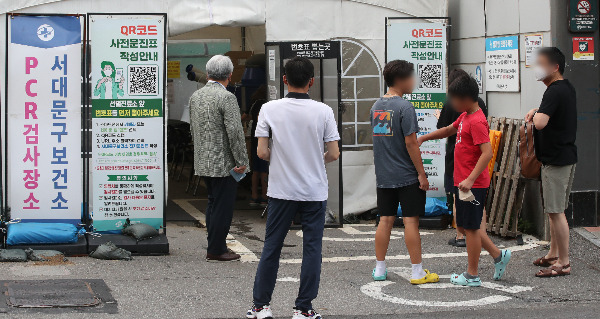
(505, 197)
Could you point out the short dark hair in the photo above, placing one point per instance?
(554, 56)
(464, 86)
(455, 74)
(299, 71)
(397, 69)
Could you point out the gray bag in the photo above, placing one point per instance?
(140, 231)
(110, 251)
(13, 255)
(42, 255)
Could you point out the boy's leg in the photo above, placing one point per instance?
(382, 236)
(486, 242)
(469, 217)
(313, 222)
(473, 250)
(459, 235)
(279, 219)
(412, 239)
(387, 204)
(412, 201)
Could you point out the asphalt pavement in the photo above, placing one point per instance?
(183, 285)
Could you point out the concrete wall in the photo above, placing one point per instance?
(585, 76)
(472, 22)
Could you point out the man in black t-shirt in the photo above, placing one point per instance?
(448, 116)
(555, 131)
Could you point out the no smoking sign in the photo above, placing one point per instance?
(583, 15)
(584, 7)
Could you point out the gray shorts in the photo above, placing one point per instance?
(556, 187)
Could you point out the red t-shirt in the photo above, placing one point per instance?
(473, 130)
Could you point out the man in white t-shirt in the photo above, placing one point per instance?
(300, 128)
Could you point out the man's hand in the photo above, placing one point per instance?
(420, 140)
(529, 115)
(466, 185)
(240, 169)
(423, 182)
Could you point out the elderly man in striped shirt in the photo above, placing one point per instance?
(219, 147)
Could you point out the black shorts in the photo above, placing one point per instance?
(411, 198)
(469, 214)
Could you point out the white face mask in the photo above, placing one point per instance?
(108, 72)
(539, 73)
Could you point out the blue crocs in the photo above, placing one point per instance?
(501, 265)
(461, 280)
(379, 278)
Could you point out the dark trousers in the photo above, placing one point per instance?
(281, 213)
(219, 211)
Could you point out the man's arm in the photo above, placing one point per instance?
(540, 120)
(550, 103)
(482, 163)
(263, 151)
(438, 134)
(415, 155)
(235, 133)
(333, 151)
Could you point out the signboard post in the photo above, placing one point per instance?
(128, 79)
(583, 15)
(502, 64)
(43, 117)
(424, 45)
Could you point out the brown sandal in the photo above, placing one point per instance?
(554, 271)
(545, 262)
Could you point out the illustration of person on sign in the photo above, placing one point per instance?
(109, 85)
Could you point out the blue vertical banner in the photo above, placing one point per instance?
(44, 118)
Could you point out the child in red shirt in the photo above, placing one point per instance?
(472, 154)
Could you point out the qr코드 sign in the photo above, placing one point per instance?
(425, 45)
(127, 78)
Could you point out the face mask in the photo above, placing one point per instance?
(468, 197)
(540, 73)
(108, 72)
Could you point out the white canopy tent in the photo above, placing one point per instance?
(362, 21)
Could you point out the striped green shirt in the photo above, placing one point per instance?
(215, 122)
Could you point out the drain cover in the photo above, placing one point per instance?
(50, 294)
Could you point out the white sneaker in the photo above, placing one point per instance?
(260, 313)
(298, 314)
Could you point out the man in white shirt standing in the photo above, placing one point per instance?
(300, 129)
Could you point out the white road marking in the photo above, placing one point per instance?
(530, 243)
(342, 239)
(190, 209)
(350, 230)
(288, 279)
(375, 290)
(405, 273)
(232, 243)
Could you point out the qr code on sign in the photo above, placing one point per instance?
(430, 76)
(143, 80)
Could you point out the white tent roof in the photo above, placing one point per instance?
(189, 15)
